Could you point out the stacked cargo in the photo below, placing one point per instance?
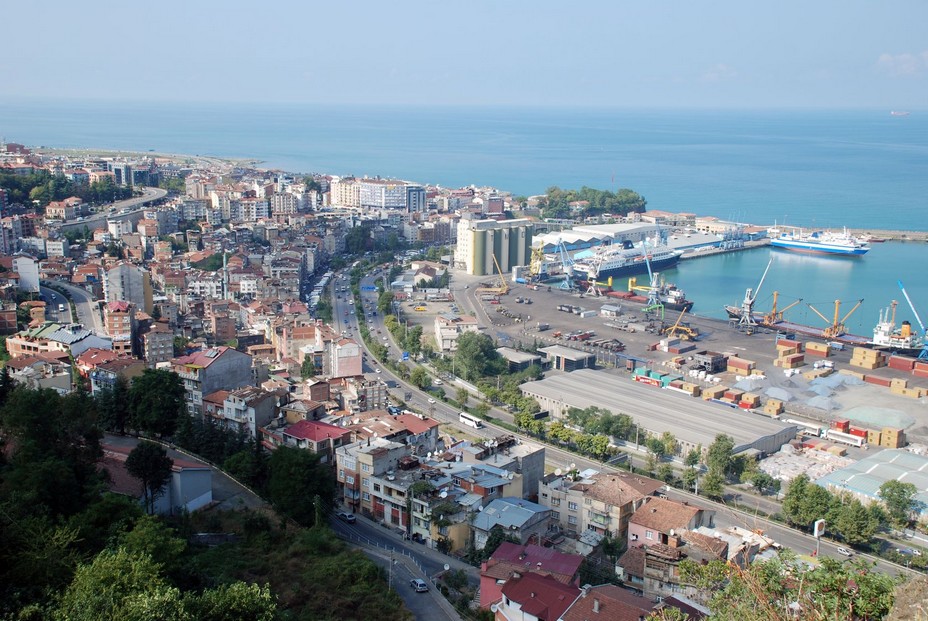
(892, 438)
(790, 361)
(732, 395)
(885, 382)
(899, 386)
(749, 401)
(817, 373)
(873, 437)
(786, 347)
(773, 407)
(901, 363)
(716, 392)
(740, 366)
(920, 369)
(818, 349)
(868, 358)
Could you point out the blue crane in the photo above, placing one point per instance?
(923, 355)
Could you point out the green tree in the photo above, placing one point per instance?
(295, 478)
(669, 442)
(308, 368)
(720, 455)
(713, 485)
(805, 502)
(899, 500)
(853, 522)
(113, 405)
(476, 356)
(151, 537)
(462, 396)
(420, 378)
(385, 302)
(156, 400)
(149, 463)
(413, 341)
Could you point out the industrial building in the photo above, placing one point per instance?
(864, 478)
(480, 241)
(692, 421)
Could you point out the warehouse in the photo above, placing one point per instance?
(692, 421)
(864, 478)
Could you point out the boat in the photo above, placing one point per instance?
(625, 259)
(901, 340)
(899, 113)
(820, 242)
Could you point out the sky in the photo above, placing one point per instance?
(615, 53)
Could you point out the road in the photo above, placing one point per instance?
(111, 211)
(88, 309)
(54, 301)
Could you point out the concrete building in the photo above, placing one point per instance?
(119, 323)
(448, 327)
(382, 194)
(156, 343)
(526, 521)
(357, 464)
(566, 359)
(659, 519)
(864, 478)
(416, 201)
(344, 359)
(600, 502)
(693, 422)
(129, 283)
(28, 269)
(479, 241)
(206, 371)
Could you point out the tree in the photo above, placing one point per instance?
(385, 302)
(308, 368)
(853, 522)
(713, 485)
(149, 463)
(805, 502)
(462, 396)
(156, 400)
(669, 442)
(719, 455)
(413, 341)
(898, 498)
(476, 356)
(113, 405)
(151, 537)
(295, 477)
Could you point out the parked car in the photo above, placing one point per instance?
(419, 585)
(344, 516)
(845, 552)
(431, 400)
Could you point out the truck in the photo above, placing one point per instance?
(541, 327)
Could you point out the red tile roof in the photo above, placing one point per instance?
(514, 557)
(314, 430)
(609, 603)
(541, 596)
(416, 425)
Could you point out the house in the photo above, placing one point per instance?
(316, 437)
(654, 568)
(103, 376)
(189, 489)
(599, 502)
(510, 560)
(530, 597)
(448, 327)
(524, 520)
(608, 602)
(208, 370)
(41, 371)
(660, 518)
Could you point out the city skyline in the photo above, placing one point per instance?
(723, 55)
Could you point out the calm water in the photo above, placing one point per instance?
(862, 169)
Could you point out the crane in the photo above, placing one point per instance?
(537, 267)
(775, 315)
(654, 301)
(747, 304)
(837, 327)
(502, 288)
(683, 330)
(923, 355)
(567, 265)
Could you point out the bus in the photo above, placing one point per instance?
(470, 420)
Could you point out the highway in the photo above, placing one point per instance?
(726, 515)
(112, 211)
(88, 309)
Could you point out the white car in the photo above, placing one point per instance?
(845, 552)
(419, 585)
(431, 400)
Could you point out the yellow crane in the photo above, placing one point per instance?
(775, 316)
(500, 289)
(682, 330)
(837, 327)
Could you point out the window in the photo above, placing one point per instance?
(349, 480)
(555, 502)
(571, 519)
(366, 496)
(572, 506)
(365, 467)
(341, 475)
(588, 501)
(556, 515)
(376, 487)
(649, 534)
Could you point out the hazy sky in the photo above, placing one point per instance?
(715, 53)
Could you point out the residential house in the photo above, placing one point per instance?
(448, 327)
(103, 376)
(510, 560)
(314, 436)
(41, 370)
(208, 370)
(530, 597)
(608, 602)
(522, 519)
(660, 518)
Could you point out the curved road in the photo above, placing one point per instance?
(112, 210)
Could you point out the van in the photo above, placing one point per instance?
(61, 308)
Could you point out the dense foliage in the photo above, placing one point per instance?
(42, 188)
(620, 203)
(845, 516)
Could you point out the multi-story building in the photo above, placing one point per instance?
(206, 371)
(603, 503)
(449, 327)
(244, 409)
(103, 376)
(361, 395)
(357, 464)
(659, 519)
(156, 343)
(416, 200)
(128, 283)
(314, 436)
(344, 359)
(382, 194)
(345, 192)
(509, 242)
(119, 323)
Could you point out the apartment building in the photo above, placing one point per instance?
(206, 371)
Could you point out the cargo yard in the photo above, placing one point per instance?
(838, 401)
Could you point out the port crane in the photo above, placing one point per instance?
(537, 267)
(595, 288)
(654, 301)
(746, 321)
(837, 327)
(776, 315)
(567, 265)
(682, 330)
(502, 287)
(923, 355)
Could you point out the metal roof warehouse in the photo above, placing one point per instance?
(692, 421)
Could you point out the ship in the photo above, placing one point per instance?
(668, 295)
(625, 259)
(901, 340)
(821, 242)
(898, 113)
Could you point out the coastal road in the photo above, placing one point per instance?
(131, 207)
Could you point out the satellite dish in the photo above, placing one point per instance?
(443, 494)
(510, 476)
(671, 532)
(494, 608)
(479, 508)
(573, 466)
(447, 566)
(429, 456)
(557, 471)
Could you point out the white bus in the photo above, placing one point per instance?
(470, 420)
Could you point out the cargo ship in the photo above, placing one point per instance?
(820, 242)
(625, 259)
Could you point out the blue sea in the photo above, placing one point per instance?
(812, 168)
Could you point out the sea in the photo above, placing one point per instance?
(864, 169)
